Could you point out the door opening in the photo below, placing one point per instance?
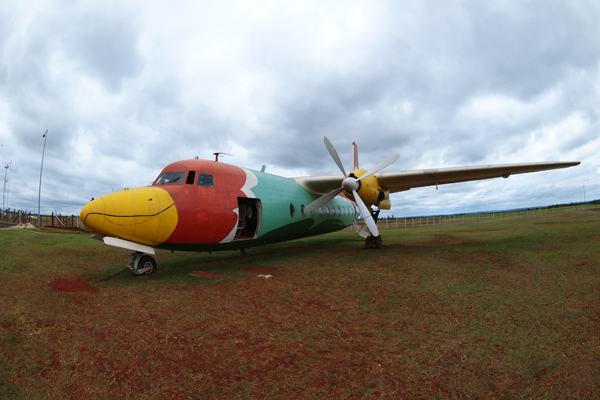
(250, 215)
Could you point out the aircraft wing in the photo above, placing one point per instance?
(321, 184)
(406, 180)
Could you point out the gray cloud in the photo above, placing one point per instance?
(101, 38)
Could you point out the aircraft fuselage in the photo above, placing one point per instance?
(200, 205)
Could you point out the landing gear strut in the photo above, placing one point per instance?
(140, 264)
(374, 242)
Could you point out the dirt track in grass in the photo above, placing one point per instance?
(498, 308)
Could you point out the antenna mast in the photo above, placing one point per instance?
(218, 153)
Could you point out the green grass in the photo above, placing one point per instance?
(505, 308)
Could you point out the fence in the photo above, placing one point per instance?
(74, 223)
(46, 221)
(419, 222)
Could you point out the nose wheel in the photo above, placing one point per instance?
(141, 264)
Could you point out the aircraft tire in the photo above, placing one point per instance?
(148, 262)
(378, 242)
(373, 242)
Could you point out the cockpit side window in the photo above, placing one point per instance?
(170, 177)
(206, 180)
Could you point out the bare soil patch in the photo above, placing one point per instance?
(208, 275)
(70, 286)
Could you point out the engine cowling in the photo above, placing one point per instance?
(370, 191)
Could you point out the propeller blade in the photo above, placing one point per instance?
(321, 201)
(366, 214)
(381, 166)
(334, 155)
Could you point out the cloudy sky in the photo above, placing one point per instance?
(127, 87)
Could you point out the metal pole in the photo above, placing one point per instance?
(8, 182)
(4, 192)
(40, 191)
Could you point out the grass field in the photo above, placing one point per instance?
(499, 308)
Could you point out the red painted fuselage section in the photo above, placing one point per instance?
(206, 214)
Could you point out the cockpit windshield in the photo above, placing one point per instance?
(170, 177)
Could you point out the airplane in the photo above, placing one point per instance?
(204, 206)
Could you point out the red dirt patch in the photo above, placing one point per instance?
(260, 270)
(70, 286)
(205, 275)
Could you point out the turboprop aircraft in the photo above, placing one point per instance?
(200, 205)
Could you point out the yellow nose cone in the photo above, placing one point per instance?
(91, 214)
(144, 215)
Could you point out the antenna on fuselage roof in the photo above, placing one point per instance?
(217, 155)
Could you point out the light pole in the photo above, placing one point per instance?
(9, 167)
(1, 145)
(41, 169)
(587, 180)
(4, 192)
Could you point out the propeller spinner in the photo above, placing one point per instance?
(352, 185)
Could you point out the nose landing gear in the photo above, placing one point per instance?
(141, 264)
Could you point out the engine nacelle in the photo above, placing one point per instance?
(386, 203)
(370, 192)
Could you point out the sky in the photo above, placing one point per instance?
(126, 87)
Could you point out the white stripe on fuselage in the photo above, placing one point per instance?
(251, 181)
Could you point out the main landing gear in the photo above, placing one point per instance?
(374, 242)
(141, 264)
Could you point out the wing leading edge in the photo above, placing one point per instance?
(406, 180)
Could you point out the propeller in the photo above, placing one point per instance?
(351, 185)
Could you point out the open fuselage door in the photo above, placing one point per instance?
(250, 215)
